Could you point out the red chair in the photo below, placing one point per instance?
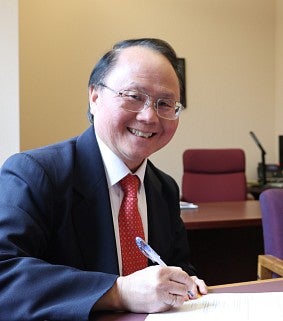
(214, 175)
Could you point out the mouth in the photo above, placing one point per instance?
(139, 133)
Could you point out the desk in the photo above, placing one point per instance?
(225, 239)
(273, 285)
(222, 215)
(270, 285)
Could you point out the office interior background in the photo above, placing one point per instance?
(233, 51)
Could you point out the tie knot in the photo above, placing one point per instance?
(130, 185)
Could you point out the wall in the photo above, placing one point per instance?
(229, 47)
(9, 79)
(279, 69)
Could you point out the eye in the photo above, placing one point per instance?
(166, 103)
(133, 95)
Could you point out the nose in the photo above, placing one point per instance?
(149, 113)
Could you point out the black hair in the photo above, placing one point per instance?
(108, 61)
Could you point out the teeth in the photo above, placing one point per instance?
(139, 133)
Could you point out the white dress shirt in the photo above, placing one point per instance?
(115, 170)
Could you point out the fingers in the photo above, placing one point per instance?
(185, 286)
(174, 300)
(193, 291)
(181, 281)
(180, 285)
(201, 286)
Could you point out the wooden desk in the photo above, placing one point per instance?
(222, 215)
(270, 285)
(273, 285)
(225, 239)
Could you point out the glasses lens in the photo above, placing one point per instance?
(134, 100)
(167, 108)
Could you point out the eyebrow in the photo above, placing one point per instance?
(142, 89)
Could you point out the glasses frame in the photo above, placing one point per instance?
(120, 93)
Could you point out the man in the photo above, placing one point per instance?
(60, 248)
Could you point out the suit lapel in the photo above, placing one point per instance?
(159, 225)
(92, 210)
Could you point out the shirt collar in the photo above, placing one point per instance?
(115, 168)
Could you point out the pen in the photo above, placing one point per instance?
(152, 255)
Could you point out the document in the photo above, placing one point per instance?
(187, 205)
(228, 307)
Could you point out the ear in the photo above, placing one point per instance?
(92, 97)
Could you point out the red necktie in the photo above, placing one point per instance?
(130, 226)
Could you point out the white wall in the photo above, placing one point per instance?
(9, 79)
(279, 69)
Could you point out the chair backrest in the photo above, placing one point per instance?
(271, 202)
(214, 175)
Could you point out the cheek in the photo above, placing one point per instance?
(100, 118)
(102, 122)
(101, 110)
(108, 122)
(166, 136)
(170, 129)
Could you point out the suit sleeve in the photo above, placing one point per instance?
(30, 287)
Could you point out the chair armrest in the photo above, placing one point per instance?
(267, 265)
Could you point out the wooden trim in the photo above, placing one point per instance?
(240, 284)
(267, 265)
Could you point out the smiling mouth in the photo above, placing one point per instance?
(140, 133)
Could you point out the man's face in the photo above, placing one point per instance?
(135, 136)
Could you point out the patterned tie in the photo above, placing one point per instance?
(130, 226)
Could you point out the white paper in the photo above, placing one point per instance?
(187, 205)
(227, 306)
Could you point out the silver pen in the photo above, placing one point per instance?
(152, 255)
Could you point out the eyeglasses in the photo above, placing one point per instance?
(137, 101)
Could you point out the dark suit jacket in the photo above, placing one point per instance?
(57, 243)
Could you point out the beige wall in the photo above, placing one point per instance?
(279, 68)
(230, 52)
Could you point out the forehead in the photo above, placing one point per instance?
(140, 55)
(143, 64)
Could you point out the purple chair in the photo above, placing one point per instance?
(214, 175)
(271, 264)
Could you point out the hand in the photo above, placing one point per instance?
(153, 289)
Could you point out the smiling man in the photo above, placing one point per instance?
(62, 239)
